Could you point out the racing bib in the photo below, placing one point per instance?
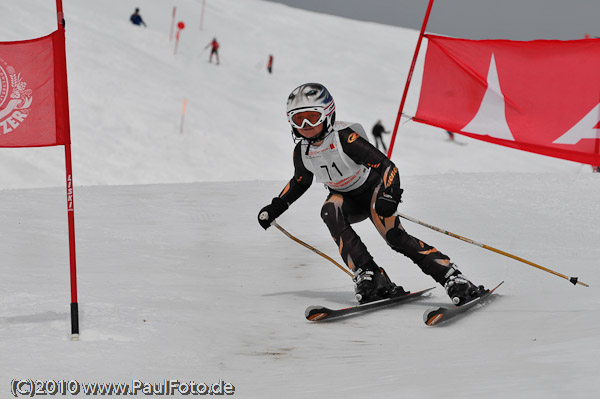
(331, 166)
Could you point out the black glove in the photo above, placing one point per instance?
(271, 212)
(387, 202)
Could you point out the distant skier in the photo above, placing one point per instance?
(270, 64)
(214, 45)
(377, 131)
(450, 135)
(363, 183)
(136, 18)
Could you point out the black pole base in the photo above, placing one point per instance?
(74, 321)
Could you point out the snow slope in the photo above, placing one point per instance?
(127, 90)
(178, 281)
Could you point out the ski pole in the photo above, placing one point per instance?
(573, 280)
(315, 250)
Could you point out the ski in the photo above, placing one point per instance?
(316, 313)
(437, 315)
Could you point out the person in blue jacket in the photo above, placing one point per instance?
(136, 18)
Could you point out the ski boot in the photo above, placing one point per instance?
(372, 284)
(460, 290)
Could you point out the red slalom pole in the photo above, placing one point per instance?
(182, 115)
(202, 15)
(180, 27)
(410, 73)
(60, 61)
(172, 24)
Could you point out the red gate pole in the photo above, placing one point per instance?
(410, 73)
(61, 59)
(202, 15)
(596, 168)
(180, 27)
(182, 115)
(172, 24)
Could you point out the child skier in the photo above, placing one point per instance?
(363, 183)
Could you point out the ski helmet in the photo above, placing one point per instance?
(311, 97)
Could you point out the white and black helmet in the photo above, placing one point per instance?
(311, 97)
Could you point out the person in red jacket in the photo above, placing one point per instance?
(270, 64)
(214, 45)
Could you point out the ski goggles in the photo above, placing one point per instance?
(311, 116)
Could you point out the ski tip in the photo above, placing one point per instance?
(496, 287)
(434, 320)
(316, 316)
(314, 313)
(422, 292)
(432, 316)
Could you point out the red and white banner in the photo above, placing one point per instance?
(540, 96)
(34, 112)
(33, 93)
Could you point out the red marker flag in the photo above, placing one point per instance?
(34, 112)
(540, 96)
(33, 98)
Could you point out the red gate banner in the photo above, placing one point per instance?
(33, 99)
(34, 112)
(541, 96)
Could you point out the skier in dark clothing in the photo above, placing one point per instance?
(363, 183)
(214, 45)
(136, 18)
(377, 131)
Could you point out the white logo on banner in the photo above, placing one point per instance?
(15, 98)
(490, 119)
(586, 128)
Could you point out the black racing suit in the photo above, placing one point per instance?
(342, 209)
